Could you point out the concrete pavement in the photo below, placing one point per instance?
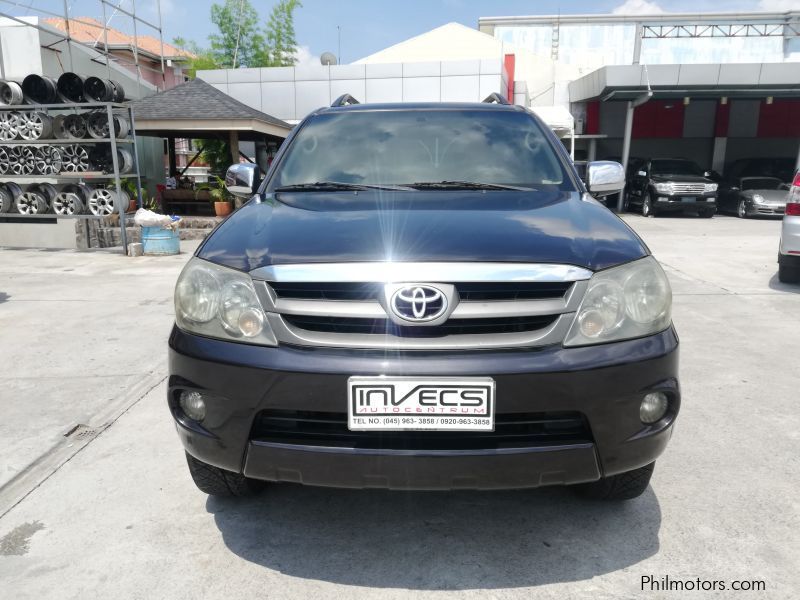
(121, 518)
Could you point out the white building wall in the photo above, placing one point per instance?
(291, 93)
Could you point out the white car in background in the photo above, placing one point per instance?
(789, 253)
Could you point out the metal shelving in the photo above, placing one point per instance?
(85, 107)
(64, 142)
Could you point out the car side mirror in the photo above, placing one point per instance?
(243, 179)
(604, 177)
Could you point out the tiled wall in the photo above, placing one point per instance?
(290, 93)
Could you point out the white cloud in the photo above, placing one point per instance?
(305, 57)
(778, 5)
(640, 7)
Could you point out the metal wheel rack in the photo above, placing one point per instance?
(112, 175)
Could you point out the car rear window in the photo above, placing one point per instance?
(396, 147)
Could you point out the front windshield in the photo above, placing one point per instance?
(761, 183)
(402, 147)
(676, 167)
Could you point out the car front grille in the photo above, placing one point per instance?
(688, 189)
(489, 305)
(512, 430)
(467, 291)
(451, 327)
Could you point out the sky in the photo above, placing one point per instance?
(368, 26)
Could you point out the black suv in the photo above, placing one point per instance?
(423, 296)
(670, 184)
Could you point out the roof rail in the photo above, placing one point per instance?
(345, 100)
(495, 98)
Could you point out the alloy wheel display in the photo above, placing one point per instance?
(74, 159)
(48, 160)
(104, 202)
(31, 203)
(6, 199)
(34, 126)
(4, 160)
(21, 160)
(72, 199)
(9, 122)
(10, 93)
(70, 88)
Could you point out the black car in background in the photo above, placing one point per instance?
(658, 185)
(780, 168)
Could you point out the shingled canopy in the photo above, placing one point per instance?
(198, 110)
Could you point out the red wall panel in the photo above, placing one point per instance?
(592, 125)
(510, 59)
(658, 119)
(779, 119)
(722, 120)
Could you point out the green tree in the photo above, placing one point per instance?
(281, 46)
(239, 41)
(201, 59)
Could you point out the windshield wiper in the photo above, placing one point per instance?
(335, 186)
(465, 185)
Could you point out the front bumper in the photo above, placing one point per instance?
(603, 383)
(664, 202)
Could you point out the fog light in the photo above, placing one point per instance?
(193, 405)
(654, 407)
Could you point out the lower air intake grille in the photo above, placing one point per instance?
(512, 430)
(451, 327)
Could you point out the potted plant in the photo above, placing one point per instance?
(220, 198)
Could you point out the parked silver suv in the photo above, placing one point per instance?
(789, 253)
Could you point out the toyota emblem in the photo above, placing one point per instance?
(418, 303)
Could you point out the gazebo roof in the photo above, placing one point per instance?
(197, 109)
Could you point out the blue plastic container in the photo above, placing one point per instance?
(160, 242)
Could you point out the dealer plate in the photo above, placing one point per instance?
(414, 403)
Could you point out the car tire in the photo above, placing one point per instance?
(741, 209)
(626, 202)
(788, 274)
(624, 486)
(648, 210)
(708, 213)
(219, 482)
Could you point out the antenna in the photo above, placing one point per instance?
(328, 59)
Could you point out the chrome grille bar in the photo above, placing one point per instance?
(350, 312)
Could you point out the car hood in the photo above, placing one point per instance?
(441, 226)
(772, 196)
(680, 179)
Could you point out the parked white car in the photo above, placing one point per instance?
(789, 253)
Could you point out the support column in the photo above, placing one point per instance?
(171, 156)
(592, 155)
(262, 158)
(718, 155)
(233, 140)
(626, 146)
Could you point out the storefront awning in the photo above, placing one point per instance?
(740, 80)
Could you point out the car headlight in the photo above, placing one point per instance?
(710, 187)
(219, 302)
(625, 302)
(758, 198)
(664, 188)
